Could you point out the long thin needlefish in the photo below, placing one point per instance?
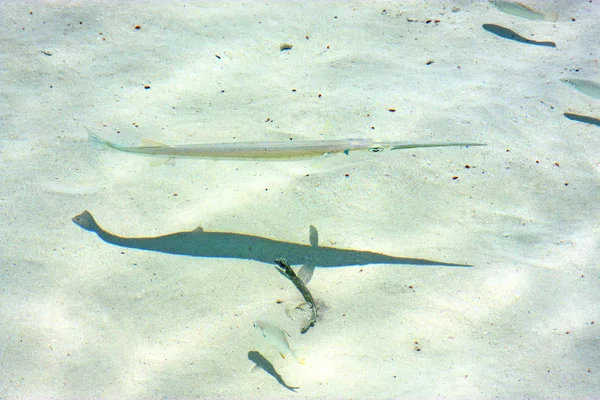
(278, 150)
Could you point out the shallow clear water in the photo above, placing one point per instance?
(138, 313)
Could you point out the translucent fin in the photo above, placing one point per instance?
(152, 143)
(327, 128)
(96, 142)
(306, 273)
(281, 136)
(321, 162)
(299, 355)
(551, 16)
(158, 161)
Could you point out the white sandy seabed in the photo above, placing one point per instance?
(81, 317)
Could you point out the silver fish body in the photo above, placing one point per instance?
(278, 150)
(277, 338)
(585, 86)
(524, 11)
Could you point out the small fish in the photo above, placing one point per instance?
(590, 88)
(277, 338)
(280, 150)
(524, 11)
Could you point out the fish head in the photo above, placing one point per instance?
(260, 327)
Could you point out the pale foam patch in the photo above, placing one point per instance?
(73, 187)
(579, 251)
(502, 291)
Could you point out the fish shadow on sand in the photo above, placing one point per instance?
(264, 364)
(200, 243)
(512, 35)
(583, 118)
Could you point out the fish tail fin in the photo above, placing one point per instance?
(551, 16)
(298, 355)
(96, 142)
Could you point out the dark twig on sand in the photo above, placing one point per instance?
(284, 268)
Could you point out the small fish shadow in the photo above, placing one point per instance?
(583, 118)
(264, 364)
(512, 35)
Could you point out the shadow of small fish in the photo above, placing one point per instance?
(264, 364)
(512, 35)
(583, 118)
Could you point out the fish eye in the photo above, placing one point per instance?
(375, 149)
